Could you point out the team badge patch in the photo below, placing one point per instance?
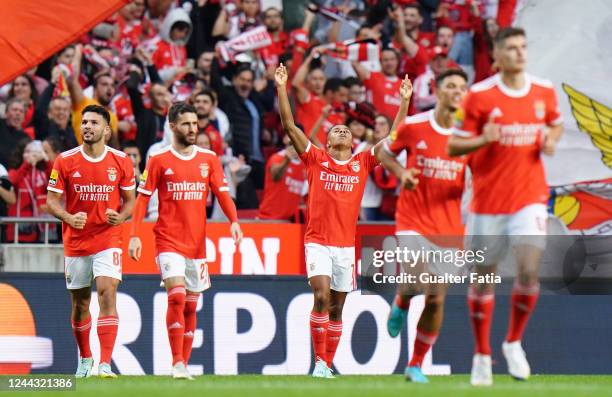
(458, 118)
(204, 170)
(355, 166)
(143, 177)
(393, 136)
(53, 177)
(112, 174)
(540, 109)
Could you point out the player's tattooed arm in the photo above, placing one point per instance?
(54, 207)
(299, 140)
(458, 145)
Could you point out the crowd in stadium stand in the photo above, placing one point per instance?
(346, 62)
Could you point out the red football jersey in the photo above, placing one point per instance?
(282, 198)
(434, 206)
(335, 193)
(91, 186)
(182, 184)
(308, 113)
(508, 175)
(383, 93)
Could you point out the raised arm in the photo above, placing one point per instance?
(76, 92)
(362, 72)
(300, 142)
(317, 126)
(221, 26)
(302, 92)
(405, 95)
(407, 42)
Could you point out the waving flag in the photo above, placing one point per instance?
(33, 30)
(578, 60)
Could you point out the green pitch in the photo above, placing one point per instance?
(349, 386)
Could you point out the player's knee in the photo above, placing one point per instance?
(80, 306)
(106, 298)
(321, 300)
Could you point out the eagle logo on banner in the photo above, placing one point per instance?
(593, 118)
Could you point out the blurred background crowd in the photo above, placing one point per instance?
(346, 60)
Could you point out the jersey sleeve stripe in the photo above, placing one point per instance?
(387, 149)
(131, 187)
(462, 133)
(144, 191)
(55, 189)
(224, 189)
(308, 147)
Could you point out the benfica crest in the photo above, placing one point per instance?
(203, 170)
(112, 174)
(355, 166)
(540, 109)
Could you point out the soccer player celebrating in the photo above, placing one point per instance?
(183, 174)
(98, 183)
(336, 180)
(507, 121)
(432, 209)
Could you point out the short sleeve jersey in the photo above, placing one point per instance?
(434, 206)
(335, 193)
(91, 185)
(183, 183)
(508, 175)
(383, 93)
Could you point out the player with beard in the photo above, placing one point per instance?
(182, 174)
(205, 102)
(98, 184)
(336, 180)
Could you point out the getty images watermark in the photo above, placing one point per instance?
(429, 266)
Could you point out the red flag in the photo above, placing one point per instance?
(33, 30)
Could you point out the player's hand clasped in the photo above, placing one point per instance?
(113, 217)
(77, 220)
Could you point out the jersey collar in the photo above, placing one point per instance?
(183, 157)
(510, 91)
(93, 159)
(437, 127)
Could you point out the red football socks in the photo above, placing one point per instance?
(81, 329)
(318, 331)
(175, 321)
(191, 303)
(481, 314)
(334, 332)
(107, 333)
(422, 343)
(523, 301)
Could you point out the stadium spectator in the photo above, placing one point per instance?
(170, 53)
(131, 149)
(204, 66)
(149, 121)
(103, 93)
(29, 171)
(382, 87)
(284, 185)
(356, 90)
(231, 21)
(24, 89)
(360, 121)
(445, 37)
(244, 107)
(462, 17)
(131, 26)
(52, 116)
(11, 132)
(7, 198)
(205, 103)
(273, 20)
(425, 85)
(483, 49)
(53, 146)
(410, 41)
